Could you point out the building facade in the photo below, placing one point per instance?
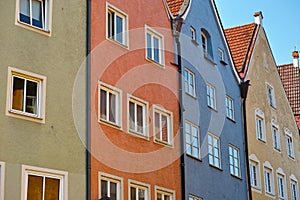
(214, 165)
(134, 102)
(42, 155)
(273, 137)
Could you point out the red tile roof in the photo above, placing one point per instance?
(241, 41)
(174, 6)
(290, 77)
(297, 118)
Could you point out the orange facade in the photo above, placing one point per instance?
(134, 102)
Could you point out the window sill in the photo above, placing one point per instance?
(256, 189)
(138, 135)
(190, 95)
(237, 177)
(232, 120)
(277, 150)
(270, 195)
(116, 126)
(211, 108)
(223, 62)
(261, 140)
(215, 167)
(193, 157)
(195, 42)
(207, 57)
(33, 28)
(13, 113)
(125, 46)
(163, 143)
(156, 63)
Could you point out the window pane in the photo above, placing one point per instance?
(164, 125)
(18, 93)
(119, 29)
(103, 188)
(159, 196)
(149, 46)
(132, 193)
(103, 103)
(37, 13)
(186, 85)
(52, 189)
(112, 107)
(113, 191)
(141, 194)
(132, 116)
(157, 125)
(24, 11)
(31, 97)
(35, 187)
(110, 23)
(140, 123)
(156, 49)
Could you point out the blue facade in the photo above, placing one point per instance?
(210, 180)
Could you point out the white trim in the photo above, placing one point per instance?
(279, 172)
(189, 72)
(230, 108)
(41, 95)
(164, 191)
(253, 160)
(294, 180)
(38, 171)
(214, 97)
(142, 185)
(274, 125)
(2, 178)
(260, 115)
(116, 179)
(191, 142)
(239, 160)
(213, 152)
(273, 103)
(267, 167)
(288, 134)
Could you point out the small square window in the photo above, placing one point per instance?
(34, 13)
(42, 183)
(164, 194)
(137, 116)
(192, 140)
(109, 104)
(163, 123)
(214, 157)
(211, 96)
(138, 191)
(271, 96)
(229, 108)
(110, 186)
(26, 93)
(189, 82)
(154, 46)
(116, 25)
(234, 161)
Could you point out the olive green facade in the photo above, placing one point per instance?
(51, 141)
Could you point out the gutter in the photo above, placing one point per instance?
(244, 91)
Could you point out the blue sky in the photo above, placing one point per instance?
(281, 22)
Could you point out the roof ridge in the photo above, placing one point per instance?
(240, 25)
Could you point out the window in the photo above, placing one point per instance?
(229, 108)
(260, 125)
(154, 43)
(163, 126)
(164, 194)
(281, 186)
(214, 151)
(192, 140)
(211, 96)
(276, 137)
(109, 104)
(35, 13)
(191, 197)
(294, 189)
(271, 96)
(40, 184)
(254, 174)
(116, 25)
(137, 111)
(189, 82)
(110, 186)
(289, 143)
(268, 178)
(234, 161)
(221, 54)
(2, 165)
(27, 93)
(138, 191)
(206, 44)
(193, 34)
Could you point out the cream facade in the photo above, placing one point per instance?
(40, 145)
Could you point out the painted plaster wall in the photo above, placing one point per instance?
(203, 180)
(263, 70)
(116, 151)
(54, 144)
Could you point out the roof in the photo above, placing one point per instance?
(175, 6)
(241, 42)
(290, 77)
(297, 118)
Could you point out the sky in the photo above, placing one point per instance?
(281, 21)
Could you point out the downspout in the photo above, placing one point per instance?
(244, 91)
(88, 93)
(176, 24)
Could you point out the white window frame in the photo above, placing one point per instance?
(271, 95)
(232, 163)
(289, 143)
(192, 197)
(117, 13)
(294, 181)
(46, 20)
(118, 94)
(188, 83)
(204, 42)
(221, 54)
(256, 163)
(136, 101)
(268, 169)
(41, 81)
(229, 107)
(169, 115)
(259, 115)
(275, 135)
(281, 188)
(164, 191)
(211, 96)
(43, 172)
(139, 185)
(193, 34)
(190, 145)
(160, 37)
(213, 147)
(2, 176)
(111, 178)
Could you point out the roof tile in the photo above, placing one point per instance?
(174, 6)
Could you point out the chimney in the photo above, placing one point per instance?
(258, 17)
(295, 58)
